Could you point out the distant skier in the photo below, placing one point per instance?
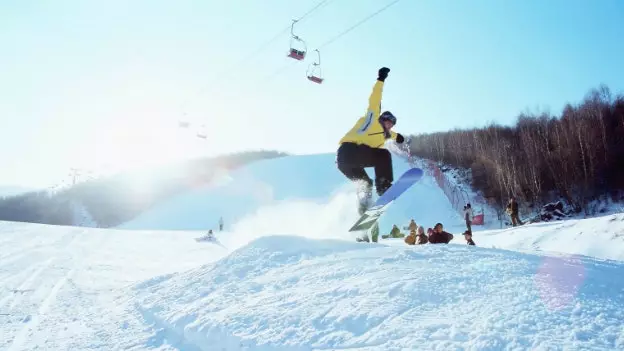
(221, 224)
(363, 146)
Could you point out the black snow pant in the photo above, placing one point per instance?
(352, 158)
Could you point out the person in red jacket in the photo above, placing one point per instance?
(439, 236)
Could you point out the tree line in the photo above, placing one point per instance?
(577, 156)
(116, 199)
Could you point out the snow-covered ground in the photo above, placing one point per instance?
(293, 293)
(64, 288)
(285, 275)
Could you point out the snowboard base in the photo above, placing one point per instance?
(372, 215)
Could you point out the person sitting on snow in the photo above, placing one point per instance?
(439, 236)
(394, 233)
(421, 238)
(468, 237)
(411, 238)
(412, 226)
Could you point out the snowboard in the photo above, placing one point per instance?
(370, 217)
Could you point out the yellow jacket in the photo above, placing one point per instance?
(367, 130)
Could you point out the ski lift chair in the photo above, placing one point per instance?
(297, 52)
(314, 73)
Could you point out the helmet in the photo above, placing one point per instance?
(387, 116)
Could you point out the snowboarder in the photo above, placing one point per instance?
(363, 146)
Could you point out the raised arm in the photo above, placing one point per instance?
(374, 101)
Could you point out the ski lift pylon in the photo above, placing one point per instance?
(296, 52)
(314, 70)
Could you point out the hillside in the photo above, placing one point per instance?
(111, 200)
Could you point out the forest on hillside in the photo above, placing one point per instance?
(113, 200)
(577, 156)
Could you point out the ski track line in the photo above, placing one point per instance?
(62, 241)
(32, 321)
(26, 283)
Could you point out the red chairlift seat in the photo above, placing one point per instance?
(296, 54)
(315, 79)
(298, 51)
(314, 73)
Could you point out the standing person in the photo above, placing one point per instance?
(363, 146)
(468, 216)
(512, 210)
(221, 224)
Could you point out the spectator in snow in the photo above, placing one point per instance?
(394, 233)
(416, 237)
(512, 210)
(411, 238)
(468, 216)
(412, 227)
(221, 224)
(439, 236)
(468, 237)
(421, 238)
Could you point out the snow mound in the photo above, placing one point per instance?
(601, 237)
(294, 293)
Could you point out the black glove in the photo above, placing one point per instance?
(383, 73)
(399, 138)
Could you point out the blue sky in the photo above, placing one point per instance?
(102, 84)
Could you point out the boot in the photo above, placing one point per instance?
(382, 185)
(365, 197)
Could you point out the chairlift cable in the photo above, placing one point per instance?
(362, 21)
(259, 49)
(358, 24)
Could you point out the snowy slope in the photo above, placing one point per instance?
(293, 293)
(293, 195)
(61, 287)
(66, 288)
(601, 237)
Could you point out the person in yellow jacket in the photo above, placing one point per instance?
(363, 146)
